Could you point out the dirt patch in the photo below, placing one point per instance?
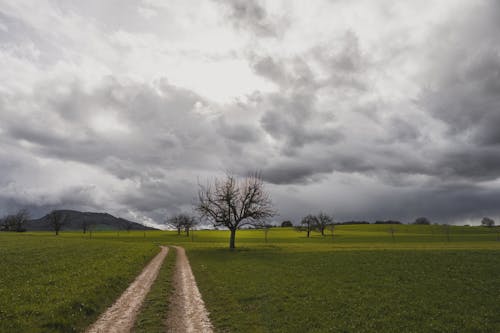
(187, 312)
(120, 317)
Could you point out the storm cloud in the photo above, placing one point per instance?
(364, 110)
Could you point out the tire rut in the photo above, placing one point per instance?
(187, 312)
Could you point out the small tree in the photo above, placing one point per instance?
(487, 222)
(286, 224)
(174, 222)
(126, 224)
(56, 220)
(189, 223)
(15, 222)
(87, 223)
(307, 224)
(181, 221)
(422, 220)
(234, 203)
(321, 221)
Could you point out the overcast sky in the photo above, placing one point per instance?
(362, 109)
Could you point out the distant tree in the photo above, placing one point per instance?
(126, 224)
(15, 222)
(189, 223)
(56, 220)
(87, 223)
(321, 221)
(179, 222)
(387, 222)
(422, 220)
(354, 222)
(487, 222)
(307, 224)
(234, 203)
(286, 224)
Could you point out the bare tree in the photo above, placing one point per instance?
(178, 222)
(321, 221)
(15, 222)
(87, 223)
(56, 220)
(126, 224)
(189, 223)
(234, 203)
(307, 224)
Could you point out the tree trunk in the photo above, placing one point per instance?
(308, 232)
(231, 239)
(57, 232)
(187, 232)
(178, 230)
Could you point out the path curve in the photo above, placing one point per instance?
(187, 312)
(120, 317)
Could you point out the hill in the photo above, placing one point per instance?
(75, 220)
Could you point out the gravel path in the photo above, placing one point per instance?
(187, 311)
(120, 317)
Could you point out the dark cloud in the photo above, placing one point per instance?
(252, 16)
(391, 121)
(463, 92)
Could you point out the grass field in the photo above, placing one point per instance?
(362, 280)
(61, 284)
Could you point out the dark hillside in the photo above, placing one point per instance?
(75, 220)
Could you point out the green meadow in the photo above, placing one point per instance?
(61, 284)
(424, 279)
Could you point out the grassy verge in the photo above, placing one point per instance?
(155, 307)
(59, 284)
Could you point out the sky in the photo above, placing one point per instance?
(366, 110)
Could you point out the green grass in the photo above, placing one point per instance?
(61, 284)
(360, 281)
(155, 307)
(274, 290)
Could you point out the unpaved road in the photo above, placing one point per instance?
(187, 312)
(120, 317)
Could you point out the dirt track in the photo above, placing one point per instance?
(187, 311)
(120, 317)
